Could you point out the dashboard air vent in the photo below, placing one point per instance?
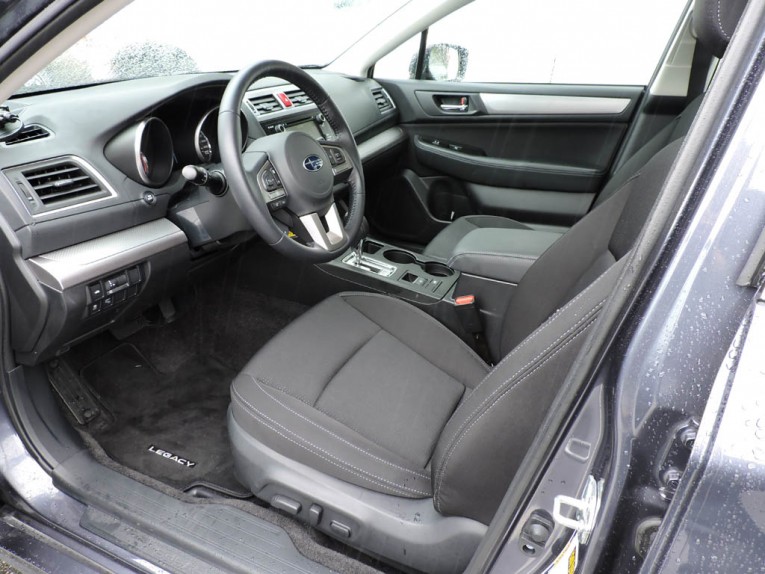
(28, 133)
(60, 182)
(299, 98)
(265, 104)
(382, 99)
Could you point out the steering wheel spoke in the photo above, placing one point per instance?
(338, 159)
(326, 230)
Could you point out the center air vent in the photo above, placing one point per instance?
(382, 99)
(299, 98)
(265, 104)
(58, 183)
(28, 133)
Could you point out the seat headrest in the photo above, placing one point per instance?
(714, 22)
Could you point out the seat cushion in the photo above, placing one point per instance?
(360, 388)
(442, 246)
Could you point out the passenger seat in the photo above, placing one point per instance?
(443, 246)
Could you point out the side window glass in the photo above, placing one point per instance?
(610, 42)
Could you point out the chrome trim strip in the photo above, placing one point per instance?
(387, 95)
(369, 264)
(198, 130)
(137, 149)
(335, 233)
(90, 260)
(537, 104)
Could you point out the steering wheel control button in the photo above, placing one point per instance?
(336, 156)
(286, 504)
(270, 180)
(277, 204)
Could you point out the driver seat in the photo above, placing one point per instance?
(371, 421)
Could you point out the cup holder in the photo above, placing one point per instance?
(437, 269)
(400, 257)
(371, 247)
(432, 268)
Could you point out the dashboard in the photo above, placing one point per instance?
(98, 220)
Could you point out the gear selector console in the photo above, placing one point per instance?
(396, 271)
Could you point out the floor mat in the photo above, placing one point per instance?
(171, 427)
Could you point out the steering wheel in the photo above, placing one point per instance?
(292, 174)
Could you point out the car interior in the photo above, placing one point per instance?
(343, 304)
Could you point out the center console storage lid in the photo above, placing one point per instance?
(501, 254)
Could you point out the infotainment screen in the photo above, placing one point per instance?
(308, 126)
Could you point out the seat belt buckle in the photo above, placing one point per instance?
(468, 314)
(470, 318)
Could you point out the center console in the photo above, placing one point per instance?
(393, 270)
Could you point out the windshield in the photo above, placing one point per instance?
(166, 37)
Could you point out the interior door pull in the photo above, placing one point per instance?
(460, 105)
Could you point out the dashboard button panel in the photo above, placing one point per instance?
(113, 290)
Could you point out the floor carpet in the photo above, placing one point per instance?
(169, 427)
(166, 388)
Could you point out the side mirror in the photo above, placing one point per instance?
(443, 63)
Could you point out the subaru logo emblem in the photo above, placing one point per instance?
(313, 163)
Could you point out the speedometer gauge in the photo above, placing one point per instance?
(206, 137)
(204, 147)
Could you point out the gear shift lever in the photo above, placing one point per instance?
(363, 232)
(365, 262)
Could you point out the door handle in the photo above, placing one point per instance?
(454, 104)
(454, 107)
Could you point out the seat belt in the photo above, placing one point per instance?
(697, 81)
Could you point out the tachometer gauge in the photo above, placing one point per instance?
(144, 152)
(204, 147)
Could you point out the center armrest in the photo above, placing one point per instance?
(501, 254)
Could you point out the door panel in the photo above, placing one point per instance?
(538, 153)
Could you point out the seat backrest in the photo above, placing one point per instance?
(713, 25)
(546, 323)
(673, 131)
(486, 438)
